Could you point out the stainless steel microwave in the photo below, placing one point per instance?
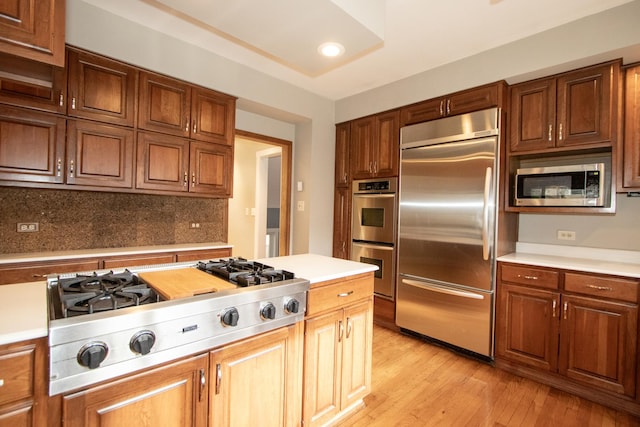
(570, 185)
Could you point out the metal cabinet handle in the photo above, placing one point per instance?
(1, 382)
(560, 132)
(61, 99)
(348, 327)
(553, 306)
(193, 179)
(203, 383)
(565, 308)
(71, 167)
(195, 127)
(550, 136)
(600, 288)
(218, 378)
(59, 167)
(73, 103)
(341, 333)
(441, 107)
(345, 294)
(448, 107)
(186, 179)
(528, 277)
(186, 124)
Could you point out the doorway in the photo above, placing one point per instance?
(259, 211)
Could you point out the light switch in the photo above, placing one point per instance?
(299, 185)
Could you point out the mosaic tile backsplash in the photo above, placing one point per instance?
(75, 220)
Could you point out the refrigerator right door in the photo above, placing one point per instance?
(447, 213)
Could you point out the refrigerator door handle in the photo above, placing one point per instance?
(448, 291)
(485, 213)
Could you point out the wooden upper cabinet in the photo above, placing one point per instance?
(32, 84)
(211, 169)
(33, 29)
(99, 154)
(465, 101)
(577, 108)
(375, 146)
(162, 162)
(631, 148)
(343, 135)
(101, 89)
(212, 116)
(164, 105)
(174, 107)
(32, 146)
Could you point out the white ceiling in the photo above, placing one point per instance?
(385, 40)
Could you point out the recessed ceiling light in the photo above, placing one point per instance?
(331, 49)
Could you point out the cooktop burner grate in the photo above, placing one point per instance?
(243, 272)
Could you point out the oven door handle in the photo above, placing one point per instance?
(374, 196)
(385, 246)
(442, 290)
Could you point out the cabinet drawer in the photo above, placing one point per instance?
(602, 286)
(16, 373)
(530, 276)
(335, 295)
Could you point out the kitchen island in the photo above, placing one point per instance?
(339, 316)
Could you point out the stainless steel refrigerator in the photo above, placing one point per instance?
(446, 234)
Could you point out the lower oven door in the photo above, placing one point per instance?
(384, 257)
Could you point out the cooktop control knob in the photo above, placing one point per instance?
(292, 305)
(91, 355)
(142, 342)
(268, 311)
(230, 317)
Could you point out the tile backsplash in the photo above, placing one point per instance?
(75, 220)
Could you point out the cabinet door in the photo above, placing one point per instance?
(533, 115)
(599, 343)
(211, 169)
(255, 381)
(527, 326)
(99, 155)
(356, 352)
(361, 150)
(33, 29)
(34, 85)
(212, 116)
(101, 89)
(31, 146)
(586, 105)
(631, 149)
(342, 223)
(322, 367)
(387, 143)
(423, 111)
(473, 99)
(343, 134)
(164, 105)
(172, 395)
(162, 162)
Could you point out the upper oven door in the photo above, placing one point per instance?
(374, 218)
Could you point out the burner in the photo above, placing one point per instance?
(243, 272)
(86, 294)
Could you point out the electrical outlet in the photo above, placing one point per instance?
(566, 235)
(28, 227)
(195, 225)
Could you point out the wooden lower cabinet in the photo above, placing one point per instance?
(581, 336)
(258, 381)
(23, 383)
(337, 359)
(171, 395)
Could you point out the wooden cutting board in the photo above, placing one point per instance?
(184, 282)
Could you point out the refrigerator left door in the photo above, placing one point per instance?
(447, 213)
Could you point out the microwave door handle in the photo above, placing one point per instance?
(447, 291)
(485, 213)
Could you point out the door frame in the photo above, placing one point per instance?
(285, 184)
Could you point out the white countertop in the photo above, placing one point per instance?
(318, 268)
(23, 312)
(593, 260)
(49, 256)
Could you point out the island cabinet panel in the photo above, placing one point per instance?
(561, 112)
(99, 155)
(23, 375)
(581, 337)
(32, 146)
(101, 89)
(171, 395)
(338, 348)
(258, 381)
(630, 158)
(33, 29)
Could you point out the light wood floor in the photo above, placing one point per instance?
(419, 384)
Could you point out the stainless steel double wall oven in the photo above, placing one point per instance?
(373, 229)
